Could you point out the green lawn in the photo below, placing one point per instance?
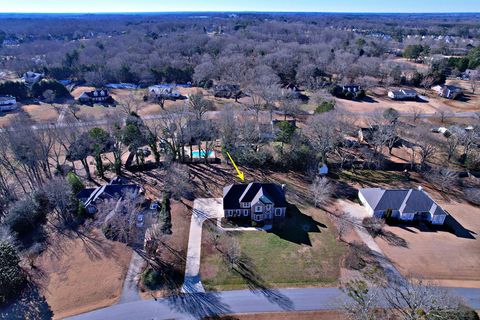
(303, 253)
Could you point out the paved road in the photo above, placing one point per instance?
(196, 306)
(215, 114)
(203, 209)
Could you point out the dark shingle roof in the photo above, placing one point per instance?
(252, 192)
(403, 200)
(105, 192)
(391, 199)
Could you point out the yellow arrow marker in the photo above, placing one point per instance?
(239, 173)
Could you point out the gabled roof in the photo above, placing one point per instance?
(403, 200)
(108, 191)
(95, 94)
(267, 193)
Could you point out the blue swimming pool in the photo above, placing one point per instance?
(196, 154)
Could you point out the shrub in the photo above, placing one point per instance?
(462, 312)
(325, 106)
(15, 88)
(360, 94)
(151, 278)
(353, 260)
(75, 182)
(58, 89)
(391, 115)
(374, 225)
(22, 217)
(12, 279)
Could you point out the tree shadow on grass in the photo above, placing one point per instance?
(245, 267)
(30, 305)
(297, 226)
(392, 239)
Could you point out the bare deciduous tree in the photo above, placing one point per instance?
(199, 105)
(321, 191)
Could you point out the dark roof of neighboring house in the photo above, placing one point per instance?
(108, 191)
(409, 91)
(403, 200)
(253, 192)
(453, 88)
(96, 93)
(85, 193)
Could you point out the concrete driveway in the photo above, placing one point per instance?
(203, 209)
(357, 214)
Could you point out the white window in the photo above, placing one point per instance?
(238, 213)
(245, 213)
(268, 206)
(229, 213)
(258, 209)
(258, 217)
(278, 212)
(245, 204)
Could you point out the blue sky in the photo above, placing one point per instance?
(51, 6)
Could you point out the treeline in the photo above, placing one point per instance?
(45, 89)
(303, 50)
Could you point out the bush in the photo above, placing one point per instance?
(353, 260)
(15, 88)
(22, 217)
(12, 279)
(58, 89)
(374, 225)
(151, 278)
(360, 94)
(75, 182)
(462, 312)
(325, 106)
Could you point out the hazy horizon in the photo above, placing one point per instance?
(253, 6)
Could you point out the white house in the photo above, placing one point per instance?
(448, 91)
(402, 94)
(8, 103)
(162, 91)
(402, 204)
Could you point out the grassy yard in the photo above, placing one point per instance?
(304, 252)
(371, 176)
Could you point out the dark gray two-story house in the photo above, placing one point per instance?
(262, 203)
